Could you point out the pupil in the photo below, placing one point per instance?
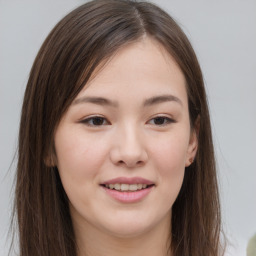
(98, 121)
(159, 120)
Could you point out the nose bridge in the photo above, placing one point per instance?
(129, 147)
(130, 138)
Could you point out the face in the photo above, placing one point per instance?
(123, 145)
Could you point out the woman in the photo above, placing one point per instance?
(115, 147)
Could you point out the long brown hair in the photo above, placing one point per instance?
(79, 43)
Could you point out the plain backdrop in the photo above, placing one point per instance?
(223, 34)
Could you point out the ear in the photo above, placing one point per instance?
(51, 160)
(193, 143)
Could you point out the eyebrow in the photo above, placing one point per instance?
(96, 100)
(161, 99)
(148, 102)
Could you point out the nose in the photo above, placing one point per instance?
(128, 148)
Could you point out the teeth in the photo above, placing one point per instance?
(139, 186)
(117, 186)
(133, 187)
(126, 187)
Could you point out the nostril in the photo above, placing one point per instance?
(140, 163)
(121, 162)
(130, 164)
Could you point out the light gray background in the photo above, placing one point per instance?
(223, 34)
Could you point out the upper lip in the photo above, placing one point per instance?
(126, 180)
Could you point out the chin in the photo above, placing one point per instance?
(127, 232)
(130, 226)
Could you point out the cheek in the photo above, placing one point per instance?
(171, 152)
(79, 161)
(78, 157)
(169, 156)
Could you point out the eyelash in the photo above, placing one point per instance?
(89, 121)
(167, 120)
(103, 121)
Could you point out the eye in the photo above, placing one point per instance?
(95, 121)
(161, 121)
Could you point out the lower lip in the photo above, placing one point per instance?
(128, 197)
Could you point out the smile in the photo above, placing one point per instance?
(127, 187)
(128, 190)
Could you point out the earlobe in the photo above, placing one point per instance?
(49, 161)
(189, 162)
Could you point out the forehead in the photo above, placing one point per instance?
(137, 69)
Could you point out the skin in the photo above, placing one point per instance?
(129, 140)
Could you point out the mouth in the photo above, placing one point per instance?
(127, 187)
(128, 190)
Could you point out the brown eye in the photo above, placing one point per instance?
(95, 121)
(161, 121)
(98, 121)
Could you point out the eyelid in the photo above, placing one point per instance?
(87, 119)
(169, 119)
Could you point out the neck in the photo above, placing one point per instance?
(94, 242)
